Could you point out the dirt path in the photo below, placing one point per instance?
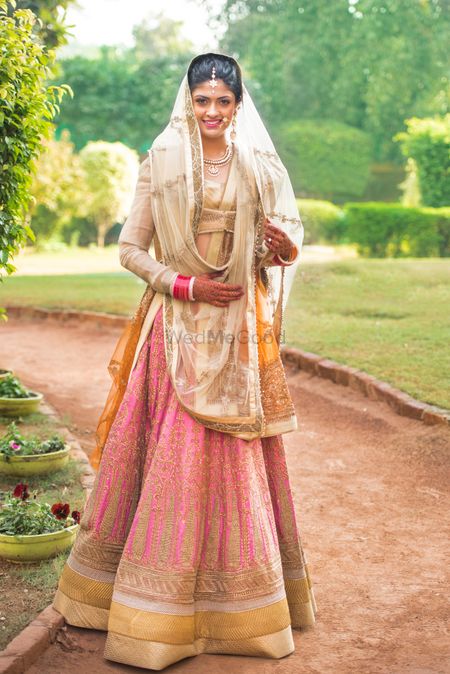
(371, 491)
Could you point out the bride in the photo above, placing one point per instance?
(189, 542)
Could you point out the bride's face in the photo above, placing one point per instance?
(213, 109)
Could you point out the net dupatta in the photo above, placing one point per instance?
(216, 378)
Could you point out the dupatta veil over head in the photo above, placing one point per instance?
(212, 352)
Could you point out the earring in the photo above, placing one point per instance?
(233, 127)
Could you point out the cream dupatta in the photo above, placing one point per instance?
(218, 383)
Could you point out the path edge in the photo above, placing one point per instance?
(344, 375)
(34, 639)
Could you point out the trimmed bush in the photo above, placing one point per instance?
(325, 159)
(392, 230)
(427, 141)
(322, 220)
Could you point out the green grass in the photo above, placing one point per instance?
(388, 317)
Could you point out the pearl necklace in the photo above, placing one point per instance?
(213, 165)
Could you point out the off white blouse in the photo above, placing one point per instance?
(137, 233)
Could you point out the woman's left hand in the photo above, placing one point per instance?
(276, 240)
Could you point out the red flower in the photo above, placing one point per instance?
(76, 516)
(21, 491)
(61, 510)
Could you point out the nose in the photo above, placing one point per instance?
(212, 112)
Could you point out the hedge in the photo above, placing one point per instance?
(322, 220)
(392, 230)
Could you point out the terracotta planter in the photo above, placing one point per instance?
(5, 373)
(37, 547)
(17, 407)
(40, 464)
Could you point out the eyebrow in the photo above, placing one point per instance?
(205, 96)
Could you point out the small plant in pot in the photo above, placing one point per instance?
(16, 399)
(32, 531)
(21, 456)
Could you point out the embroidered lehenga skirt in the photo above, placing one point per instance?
(189, 542)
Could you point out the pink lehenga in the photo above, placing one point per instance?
(189, 542)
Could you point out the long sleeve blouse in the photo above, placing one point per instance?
(137, 234)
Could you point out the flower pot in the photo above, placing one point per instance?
(37, 547)
(5, 373)
(40, 464)
(17, 407)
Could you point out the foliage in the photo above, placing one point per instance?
(111, 171)
(366, 64)
(27, 106)
(10, 387)
(427, 142)
(20, 515)
(14, 443)
(50, 28)
(325, 158)
(160, 37)
(119, 98)
(392, 230)
(322, 220)
(58, 188)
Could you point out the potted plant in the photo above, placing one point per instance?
(5, 373)
(15, 399)
(23, 456)
(32, 531)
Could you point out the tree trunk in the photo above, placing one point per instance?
(101, 233)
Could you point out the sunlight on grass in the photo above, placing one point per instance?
(388, 317)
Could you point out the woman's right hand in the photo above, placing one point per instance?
(206, 289)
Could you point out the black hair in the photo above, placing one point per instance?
(227, 69)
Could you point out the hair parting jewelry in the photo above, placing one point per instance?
(213, 81)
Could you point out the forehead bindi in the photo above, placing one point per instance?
(220, 90)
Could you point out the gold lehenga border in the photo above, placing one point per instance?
(85, 590)
(182, 629)
(156, 655)
(80, 614)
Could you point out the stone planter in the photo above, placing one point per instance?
(37, 547)
(40, 464)
(17, 407)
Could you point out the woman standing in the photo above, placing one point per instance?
(189, 542)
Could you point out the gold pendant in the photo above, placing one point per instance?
(213, 170)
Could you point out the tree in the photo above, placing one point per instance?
(111, 171)
(117, 98)
(58, 188)
(160, 37)
(365, 63)
(427, 144)
(51, 28)
(27, 107)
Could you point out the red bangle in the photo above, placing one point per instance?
(181, 288)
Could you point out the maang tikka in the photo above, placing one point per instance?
(213, 81)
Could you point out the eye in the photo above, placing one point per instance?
(202, 101)
(225, 101)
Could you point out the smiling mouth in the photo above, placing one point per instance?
(212, 123)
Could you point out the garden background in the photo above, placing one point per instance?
(356, 96)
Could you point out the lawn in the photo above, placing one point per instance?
(388, 317)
